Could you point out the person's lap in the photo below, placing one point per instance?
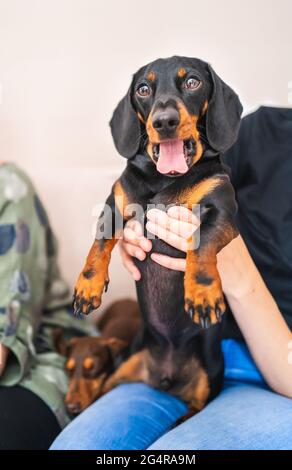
(132, 416)
(246, 415)
(242, 417)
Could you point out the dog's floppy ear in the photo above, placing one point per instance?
(59, 342)
(115, 345)
(61, 345)
(223, 115)
(125, 127)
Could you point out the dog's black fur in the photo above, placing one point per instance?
(180, 349)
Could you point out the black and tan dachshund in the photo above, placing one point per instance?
(175, 121)
(90, 360)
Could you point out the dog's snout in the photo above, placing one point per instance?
(165, 121)
(74, 408)
(165, 383)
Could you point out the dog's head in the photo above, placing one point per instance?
(89, 361)
(174, 109)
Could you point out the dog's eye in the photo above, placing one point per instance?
(88, 363)
(144, 90)
(192, 83)
(70, 365)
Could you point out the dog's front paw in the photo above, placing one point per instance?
(88, 292)
(204, 304)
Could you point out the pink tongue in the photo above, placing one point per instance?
(171, 157)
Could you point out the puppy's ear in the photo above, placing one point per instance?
(115, 345)
(223, 115)
(61, 346)
(125, 127)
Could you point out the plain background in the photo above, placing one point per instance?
(64, 65)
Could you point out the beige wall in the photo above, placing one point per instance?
(64, 64)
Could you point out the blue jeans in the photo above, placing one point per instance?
(245, 415)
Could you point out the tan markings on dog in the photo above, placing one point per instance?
(121, 198)
(150, 153)
(202, 264)
(70, 364)
(94, 277)
(132, 370)
(187, 128)
(84, 391)
(204, 108)
(202, 283)
(97, 385)
(195, 194)
(72, 393)
(181, 72)
(197, 391)
(201, 295)
(152, 133)
(140, 117)
(88, 363)
(151, 76)
(196, 136)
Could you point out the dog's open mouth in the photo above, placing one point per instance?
(174, 157)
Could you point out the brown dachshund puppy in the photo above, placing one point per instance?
(91, 360)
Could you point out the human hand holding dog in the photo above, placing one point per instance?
(253, 306)
(175, 227)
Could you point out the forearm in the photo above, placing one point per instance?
(260, 320)
(3, 357)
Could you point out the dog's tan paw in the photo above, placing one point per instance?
(205, 304)
(88, 292)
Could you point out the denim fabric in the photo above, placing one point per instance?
(245, 415)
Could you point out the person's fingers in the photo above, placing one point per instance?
(128, 262)
(184, 215)
(133, 234)
(135, 226)
(181, 228)
(167, 236)
(135, 251)
(176, 264)
(130, 236)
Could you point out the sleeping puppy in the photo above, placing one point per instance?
(176, 120)
(91, 360)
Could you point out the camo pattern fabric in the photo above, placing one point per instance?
(34, 299)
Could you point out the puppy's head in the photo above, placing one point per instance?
(89, 361)
(175, 109)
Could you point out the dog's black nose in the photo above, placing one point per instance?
(165, 383)
(74, 408)
(165, 121)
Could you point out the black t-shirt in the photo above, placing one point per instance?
(261, 173)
